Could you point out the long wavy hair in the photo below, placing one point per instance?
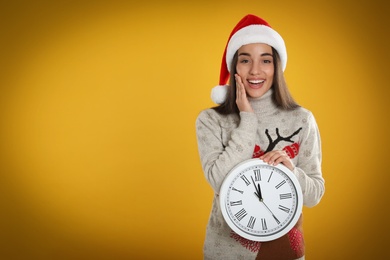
(281, 95)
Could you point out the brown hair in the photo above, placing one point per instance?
(281, 95)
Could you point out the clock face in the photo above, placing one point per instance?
(261, 202)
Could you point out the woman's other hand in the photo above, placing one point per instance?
(241, 98)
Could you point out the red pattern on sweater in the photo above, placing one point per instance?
(296, 241)
(291, 150)
(253, 246)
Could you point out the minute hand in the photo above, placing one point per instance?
(276, 219)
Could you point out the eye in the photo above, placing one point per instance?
(244, 61)
(267, 61)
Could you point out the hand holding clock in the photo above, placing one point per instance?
(275, 157)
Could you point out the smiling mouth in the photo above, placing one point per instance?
(256, 81)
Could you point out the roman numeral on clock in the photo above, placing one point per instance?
(280, 184)
(240, 191)
(285, 196)
(257, 175)
(241, 214)
(264, 224)
(236, 203)
(247, 182)
(285, 209)
(251, 222)
(270, 176)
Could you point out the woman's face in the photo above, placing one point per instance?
(255, 66)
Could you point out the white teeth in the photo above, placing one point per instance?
(256, 81)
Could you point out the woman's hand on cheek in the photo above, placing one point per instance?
(241, 98)
(276, 157)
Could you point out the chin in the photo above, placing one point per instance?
(256, 95)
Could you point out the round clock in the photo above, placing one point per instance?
(259, 201)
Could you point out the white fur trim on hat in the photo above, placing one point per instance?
(256, 34)
(218, 94)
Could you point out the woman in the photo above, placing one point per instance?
(256, 118)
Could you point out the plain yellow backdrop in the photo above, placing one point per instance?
(98, 153)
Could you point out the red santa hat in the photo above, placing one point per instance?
(251, 29)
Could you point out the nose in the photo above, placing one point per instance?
(255, 69)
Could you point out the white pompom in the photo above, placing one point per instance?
(218, 94)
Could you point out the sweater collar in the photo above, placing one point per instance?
(264, 105)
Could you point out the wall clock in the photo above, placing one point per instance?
(259, 201)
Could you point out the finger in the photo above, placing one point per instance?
(275, 157)
(281, 159)
(286, 162)
(238, 79)
(272, 156)
(241, 96)
(239, 82)
(266, 157)
(238, 85)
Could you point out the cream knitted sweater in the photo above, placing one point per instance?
(224, 141)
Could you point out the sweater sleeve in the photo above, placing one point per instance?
(219, 156)
(308, 167)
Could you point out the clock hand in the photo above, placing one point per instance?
(276, 219)
(258, 192)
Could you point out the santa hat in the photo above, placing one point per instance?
(251, 29)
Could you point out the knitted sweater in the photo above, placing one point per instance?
(226, 140)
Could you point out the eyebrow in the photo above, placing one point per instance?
(247, 54)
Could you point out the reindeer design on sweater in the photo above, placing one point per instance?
(291, 150)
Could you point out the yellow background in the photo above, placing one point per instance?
(98, 101)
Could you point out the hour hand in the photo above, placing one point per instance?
(254, 184)
(259, 192)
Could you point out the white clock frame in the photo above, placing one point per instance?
(247, 214)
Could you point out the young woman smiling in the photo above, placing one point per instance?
(256, 117)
